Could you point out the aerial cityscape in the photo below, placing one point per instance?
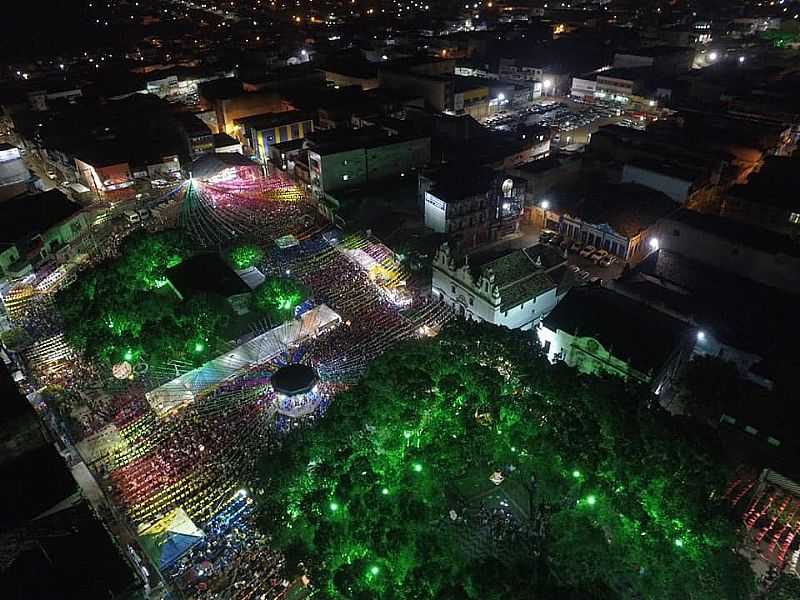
(409, 299)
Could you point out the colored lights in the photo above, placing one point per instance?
(591, 499)
(333, 506)
(576, 474)
(417, 467)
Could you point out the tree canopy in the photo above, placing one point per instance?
(245, 256)
(618, 493)
(121, 309)
(278, 297)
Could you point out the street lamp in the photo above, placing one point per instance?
(713, 56)
(653, 244)
(545, 204)
(701, 336)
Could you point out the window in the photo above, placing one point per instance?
(471, 301)
(295, 131)
(794, 218)
(452, 289)
(547, 347)
(345, 162)
(345, 177)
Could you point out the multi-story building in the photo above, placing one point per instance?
(344, 159)
(515, 290)
(261, 132)
(472, 206)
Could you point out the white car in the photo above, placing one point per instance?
(588, 251)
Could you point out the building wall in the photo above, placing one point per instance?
(476, 300)
(435, 213)
(365, 83)
(384, 161)
(339, 171)
(459, 292)
(677, 189)
(583, 88)
(585, 354)
(436, 93)
(261, 139)
(777, 270)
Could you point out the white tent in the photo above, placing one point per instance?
(181, 391)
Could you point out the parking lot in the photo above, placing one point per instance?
(571, 120)
(587, 264)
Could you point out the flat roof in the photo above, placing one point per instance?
(206, 273)
(28, 215)
(739, 233)
(776, 184)
(273, 119)
(619, 324)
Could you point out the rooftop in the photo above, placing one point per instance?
(273, 119)
(521, 274)
(619, 324)
(627, 208)
(730, 306)
(739, 233)
(456, 183)
(776, 184)
(206, 274)
(26, 216)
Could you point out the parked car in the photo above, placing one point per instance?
(607, 261)
(595, 281)
(573, 268)
(588, 251)
(132, 216)
(576, 246)
(598, 254)
(546, 235)
(51, 174)
(582, 275)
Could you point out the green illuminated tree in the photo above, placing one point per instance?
(620, 491)
(121, 309)
(246, 256)
(278, 297)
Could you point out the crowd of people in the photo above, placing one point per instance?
(201, 456)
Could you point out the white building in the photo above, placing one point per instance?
(516, 289)
(598, 331)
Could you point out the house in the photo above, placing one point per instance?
(515, 289)
(599, 331)
(619, 218)
(36, 227)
